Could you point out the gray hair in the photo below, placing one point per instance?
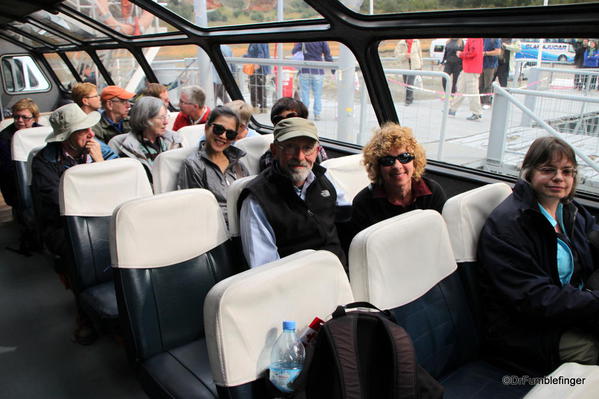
(145, 109)
(195, 94)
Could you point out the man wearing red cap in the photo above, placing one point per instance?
(115, 102)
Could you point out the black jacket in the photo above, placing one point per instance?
(298, 224)
(526, 307)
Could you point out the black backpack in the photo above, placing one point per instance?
(363, 354)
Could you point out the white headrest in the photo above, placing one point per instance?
(171, 117)
(166, 168)
(254, 147)
(191, 135)
(95, 189)
(348, 173)
(399, 259)
(166, 229)
(243, 313)
(465, 215)
(25, 140)
(5, 122)
(233, 192)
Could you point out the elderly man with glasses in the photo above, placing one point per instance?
(193, 109)
(115, 116)
(291, 205)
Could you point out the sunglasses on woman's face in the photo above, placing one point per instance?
(403, 158)
(278, 118)
(220, 129)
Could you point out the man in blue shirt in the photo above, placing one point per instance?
(257, 81)
(312, 78)
(491, 52)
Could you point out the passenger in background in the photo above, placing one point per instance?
(25, 114)
(193, 109)
(291, 205)
(409, 55)
(216, 163)
(149, 137)
(452, 64)
(244, 112)
(157, 90)
(287, 107)
(115, 116)
(395, 163)
(536, 254)
(86, 96)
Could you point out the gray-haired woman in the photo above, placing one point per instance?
(149, 137)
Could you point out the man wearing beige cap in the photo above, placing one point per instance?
(115, 101)
(291, 205)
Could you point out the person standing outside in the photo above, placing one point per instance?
(409, 55)
(312, 78)
(491, 52)
(257, 81)
(472, 67)
(580, 48)
(452, 64)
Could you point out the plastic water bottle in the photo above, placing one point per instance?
(286, 358)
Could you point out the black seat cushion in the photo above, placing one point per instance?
(100, 299)
(480, 379)
(182, 372)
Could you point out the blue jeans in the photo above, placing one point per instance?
(309, 81)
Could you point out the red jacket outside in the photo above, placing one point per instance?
(472, 55)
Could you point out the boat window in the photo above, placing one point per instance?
(61, 70)
(544, 93)
(68, 25)
(39, 33)
(371, 7)
(21, 38)
(122, 16)
(123, 68)
(211, 13)
(22, 75)
(84, 65)
(344, 112)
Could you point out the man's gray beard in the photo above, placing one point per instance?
(298, 176)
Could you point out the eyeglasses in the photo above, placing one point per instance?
(220, 129)
(185, 102)
(119, 100)
(97, 95)
(549, 171)
(307, 149)
(163, 117)
(25, 118)
(403, 158)
(278, 118)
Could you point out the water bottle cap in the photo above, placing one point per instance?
(289, 325)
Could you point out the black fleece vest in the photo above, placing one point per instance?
(298, 224)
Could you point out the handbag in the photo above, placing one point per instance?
(249, 69)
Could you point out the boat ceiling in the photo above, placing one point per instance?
(17, 10)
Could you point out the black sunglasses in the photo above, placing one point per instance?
(220, 129)
(278, 118)
(403, 158)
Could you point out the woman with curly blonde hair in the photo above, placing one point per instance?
(395, 164)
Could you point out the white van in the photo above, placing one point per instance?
(437, 49)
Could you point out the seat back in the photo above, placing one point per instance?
(166, 168)
(243, 315)
(116, 141)
(88, 195)
(24, 142)
(233, 193)
(5, 122)
(406, 264)
(254, 147)
(171, 117)
(348, 173)
(191, 135)
(167, 252)
(465, 215)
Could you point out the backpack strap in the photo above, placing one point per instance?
(405, 379)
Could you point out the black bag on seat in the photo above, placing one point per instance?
(363, 354)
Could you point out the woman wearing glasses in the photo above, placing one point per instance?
(149, 137)
(540, 307)
(25, 114)
(395, 164)
(216, 163)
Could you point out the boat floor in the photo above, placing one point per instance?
(37, 357)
